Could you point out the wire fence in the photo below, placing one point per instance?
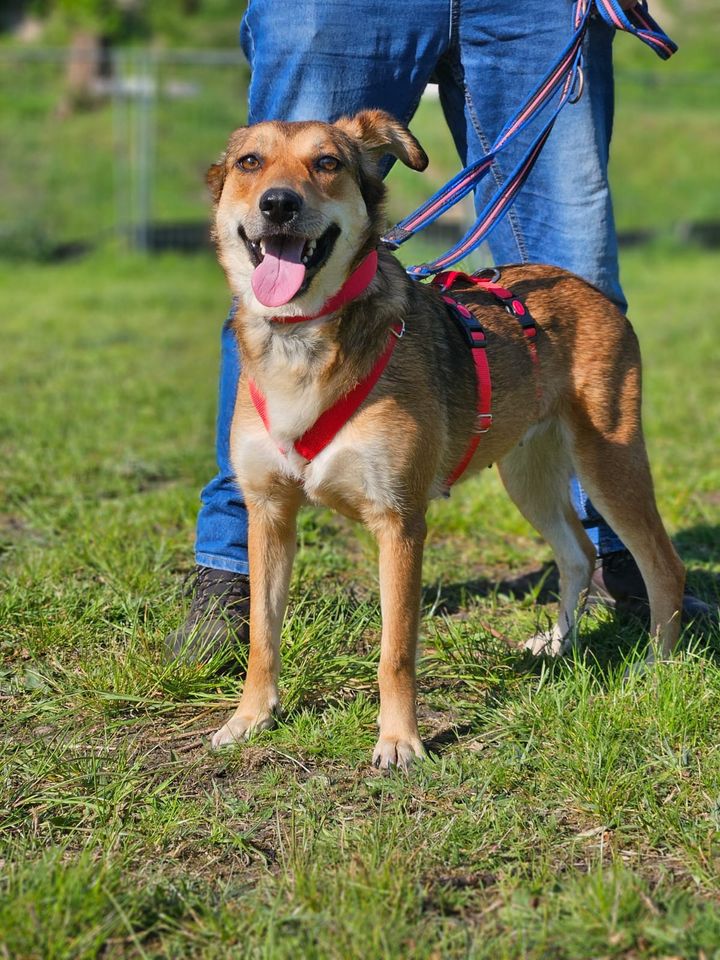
(113, 146)
(102, 144)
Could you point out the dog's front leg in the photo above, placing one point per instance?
(271, 542)
(401, 549)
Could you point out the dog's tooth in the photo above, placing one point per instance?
(262, 247)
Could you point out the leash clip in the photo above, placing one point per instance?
(493, 278)
(399, 334)
(579, 85)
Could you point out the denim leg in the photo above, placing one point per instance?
(321, 59)
(309, 60)
(222, 524)
(563, 214)
(603, 537)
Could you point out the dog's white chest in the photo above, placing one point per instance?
(348, 474)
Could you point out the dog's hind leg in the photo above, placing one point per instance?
(616, 474)
(401, 542)
(536, 474)
(271, 542)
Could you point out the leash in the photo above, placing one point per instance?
(564, 82)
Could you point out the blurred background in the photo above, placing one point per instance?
(111, 300)
(113, 109)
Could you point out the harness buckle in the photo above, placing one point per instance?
(489, 418)
(493, 278)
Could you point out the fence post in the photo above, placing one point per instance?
(134, 118)
(144, 143)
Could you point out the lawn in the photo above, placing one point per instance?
(563, 812)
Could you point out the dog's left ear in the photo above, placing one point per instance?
(378, 132)
(215, 178)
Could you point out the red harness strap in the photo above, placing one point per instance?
(475, 336)
(512, 304)
(478, 342)
(332, 420)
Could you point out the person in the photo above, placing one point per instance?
(321, 59)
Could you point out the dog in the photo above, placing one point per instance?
(298, 213)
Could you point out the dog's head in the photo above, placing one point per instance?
(297, 205)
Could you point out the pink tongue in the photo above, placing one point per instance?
(278, 278)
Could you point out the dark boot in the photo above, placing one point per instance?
(218, 617)
(618, 583)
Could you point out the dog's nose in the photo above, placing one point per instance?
(280, 206)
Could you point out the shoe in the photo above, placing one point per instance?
(218, 617)
(617, 583)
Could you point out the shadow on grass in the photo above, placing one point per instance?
(543, 584)
(332, 659)
(700, 544)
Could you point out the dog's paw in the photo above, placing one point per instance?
(546, 644)
(397, 752)
(241, 727)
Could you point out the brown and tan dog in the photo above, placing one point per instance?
(298, 207)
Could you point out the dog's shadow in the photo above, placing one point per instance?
(697, 544)
(606, 642)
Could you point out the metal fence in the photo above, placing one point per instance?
(126, 157)
(115, 144)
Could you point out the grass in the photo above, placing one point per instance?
(564, 812)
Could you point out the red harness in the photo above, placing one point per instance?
(477, 341)
(332, 420)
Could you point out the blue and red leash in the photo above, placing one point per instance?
(563, 84)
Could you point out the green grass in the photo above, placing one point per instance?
(564, 813)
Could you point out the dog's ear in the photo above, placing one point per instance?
(215, 178)
(378, 132)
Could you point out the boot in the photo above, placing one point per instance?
(618, 583)
(218, 617)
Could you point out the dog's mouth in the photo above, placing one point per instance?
(286, 263)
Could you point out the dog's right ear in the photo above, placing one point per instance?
(215, 178)
(378, 132)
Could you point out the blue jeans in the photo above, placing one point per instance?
(320, 59)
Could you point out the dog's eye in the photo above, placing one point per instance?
(328, 164)
(248, 162)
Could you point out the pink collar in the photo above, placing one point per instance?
(357, 283)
